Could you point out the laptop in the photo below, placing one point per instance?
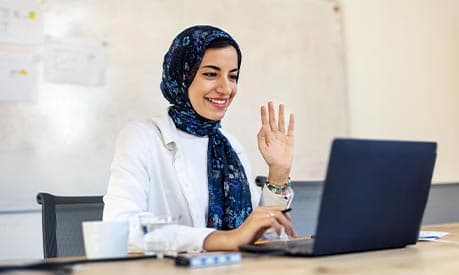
(374, 197)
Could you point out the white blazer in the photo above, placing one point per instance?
(150, 173)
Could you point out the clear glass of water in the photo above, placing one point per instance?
(159, 234)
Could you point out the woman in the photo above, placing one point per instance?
(184, 165)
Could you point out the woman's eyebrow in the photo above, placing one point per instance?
(212, 67)
(217, 68)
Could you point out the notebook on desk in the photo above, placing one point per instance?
(374, 197)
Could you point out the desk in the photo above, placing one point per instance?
(422, 258)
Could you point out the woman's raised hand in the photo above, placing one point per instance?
(275, 143)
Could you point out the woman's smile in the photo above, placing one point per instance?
(215, 84)
(218, 102)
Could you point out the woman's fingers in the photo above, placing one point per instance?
(274, 218)
(281, 120)
(274, 224)
(269, 122)
(283, 221)
(263, 138)
(287, 216)
(264, 117)
(272, 116)
(291, 125)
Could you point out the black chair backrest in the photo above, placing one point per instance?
(260, 181)
(61, 222)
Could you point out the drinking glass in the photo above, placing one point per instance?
(159, 234)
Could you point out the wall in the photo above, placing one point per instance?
(403, 74)
(21, 235)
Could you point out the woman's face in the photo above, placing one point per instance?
(214, 86)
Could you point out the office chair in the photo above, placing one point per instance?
(260, 181)
(61, 222)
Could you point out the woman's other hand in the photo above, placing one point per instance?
(276, 143)
(261, 219)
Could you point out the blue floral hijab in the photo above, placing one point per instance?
(229, 193)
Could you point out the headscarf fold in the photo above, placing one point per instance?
(229, 192)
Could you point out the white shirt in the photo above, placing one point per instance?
(195, 149)
(160, 169)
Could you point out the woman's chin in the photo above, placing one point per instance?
(214, 116)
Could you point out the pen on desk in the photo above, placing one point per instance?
(286, 210)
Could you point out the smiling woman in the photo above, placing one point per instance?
(215, 84)
(184, 165)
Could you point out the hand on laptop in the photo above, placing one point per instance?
(261, 219)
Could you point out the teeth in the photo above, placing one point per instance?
(217, 101)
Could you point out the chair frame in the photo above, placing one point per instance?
(260, 180)
(49, 202)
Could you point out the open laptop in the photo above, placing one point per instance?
(374, 197)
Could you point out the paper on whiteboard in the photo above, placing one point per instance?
(21, 22)
(18, 77)
(75, 61)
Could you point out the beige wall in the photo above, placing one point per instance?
(403, 73)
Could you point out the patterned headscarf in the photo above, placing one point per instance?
(229, 193)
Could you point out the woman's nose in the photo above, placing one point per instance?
(224, 86)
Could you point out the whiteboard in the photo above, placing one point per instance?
(63, 142)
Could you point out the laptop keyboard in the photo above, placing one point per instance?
(289, 243)
(292, 247)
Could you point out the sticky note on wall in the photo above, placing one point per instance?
(21, 22)
(18, 77)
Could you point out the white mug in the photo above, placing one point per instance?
(105, 239)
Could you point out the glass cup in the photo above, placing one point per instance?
(159, 234)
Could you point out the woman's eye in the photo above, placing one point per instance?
(210, 74)
(233, 77)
